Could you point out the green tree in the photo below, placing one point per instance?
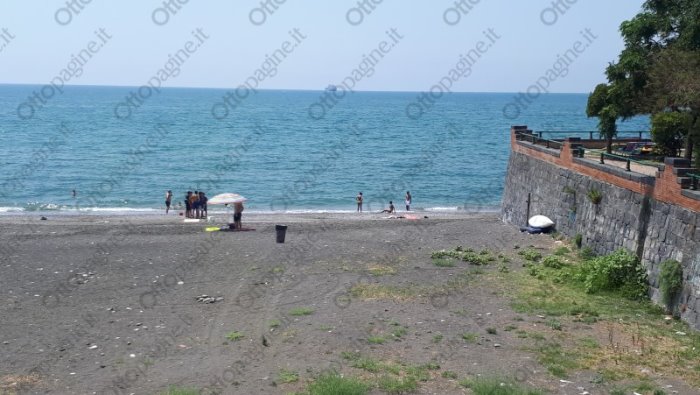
(602, 104)
(658, 68)
(668, 130)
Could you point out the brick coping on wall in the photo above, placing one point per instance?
(664, 187)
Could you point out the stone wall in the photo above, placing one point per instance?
(640, 213)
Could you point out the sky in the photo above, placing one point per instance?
(330, 39)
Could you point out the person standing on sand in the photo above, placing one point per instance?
(203, 204)
(237, 215)
(408, 201)
(194, 204)
(168, 200)
(188, 206)
(358, 200)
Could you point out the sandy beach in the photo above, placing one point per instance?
(116, 305)
(108, 304)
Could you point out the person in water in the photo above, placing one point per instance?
(408, 201)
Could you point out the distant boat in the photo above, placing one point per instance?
(331, 88)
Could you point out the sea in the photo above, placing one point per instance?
(117, 150)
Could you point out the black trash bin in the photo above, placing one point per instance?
(281, 232)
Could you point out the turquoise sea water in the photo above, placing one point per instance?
(270, 148)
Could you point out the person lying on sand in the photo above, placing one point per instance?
(391, 209)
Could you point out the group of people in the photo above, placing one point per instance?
(196, 207)
(195, 204)
(359, 199)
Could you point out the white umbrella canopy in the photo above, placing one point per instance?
(226, 198)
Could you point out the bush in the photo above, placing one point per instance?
(553, 262)
(619, 271)
(578, 240)
(587, 253)
(670, 281)
(530, 255)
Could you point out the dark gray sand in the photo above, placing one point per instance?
(109, 304)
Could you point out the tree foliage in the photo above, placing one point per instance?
(602, 104)
(658, 69)
(668, 130)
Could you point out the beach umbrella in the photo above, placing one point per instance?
(226, 198)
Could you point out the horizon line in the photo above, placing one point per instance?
(277, 89)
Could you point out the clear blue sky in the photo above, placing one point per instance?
(236, 47)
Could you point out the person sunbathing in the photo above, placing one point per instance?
(391, 209)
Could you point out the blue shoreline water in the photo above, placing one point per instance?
(268, 149)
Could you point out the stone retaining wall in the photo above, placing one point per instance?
(648, 216)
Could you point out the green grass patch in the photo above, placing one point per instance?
(448, 374)
(376, 340)
(530, 254)
(437, 338)
(470, 337)
(287, 376)
(399, 333)
(368, 364)
(497, 386)
(334, 384)
(483, 257)
(444, 262)
(397, 385)
(300, 311)
(234, 336)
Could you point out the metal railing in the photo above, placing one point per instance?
(628, 161)
(576, 133)
(534, 139)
